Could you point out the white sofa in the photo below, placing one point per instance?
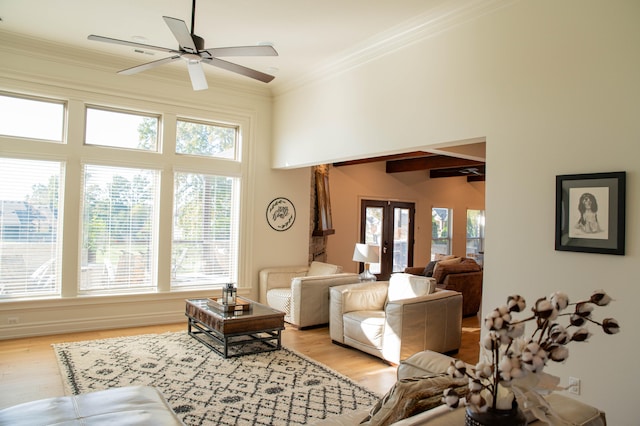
(397, 318)
(302, 292)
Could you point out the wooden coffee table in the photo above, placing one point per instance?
(253, 331)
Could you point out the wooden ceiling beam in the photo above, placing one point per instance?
(471, 171)
(412, 154)
(427, 163)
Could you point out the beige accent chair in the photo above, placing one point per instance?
(302, 292)
(397, 318)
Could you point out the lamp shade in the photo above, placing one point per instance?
(366, 253)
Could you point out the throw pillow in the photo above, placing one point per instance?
(412, 396)
(428, 270)
(320, 268)
(407, 286)
(451, 261)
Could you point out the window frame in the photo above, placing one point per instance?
(43, 99)
(76, 152)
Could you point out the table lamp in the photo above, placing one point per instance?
(366, 253)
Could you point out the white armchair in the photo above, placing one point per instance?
(302, 292)
(397, 318)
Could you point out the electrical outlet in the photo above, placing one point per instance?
(574, 385)
(12, 320)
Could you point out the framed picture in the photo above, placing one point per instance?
(590, 212)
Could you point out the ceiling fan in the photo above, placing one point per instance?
(191, 49)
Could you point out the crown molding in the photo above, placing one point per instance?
(444, 16)
(39, 49)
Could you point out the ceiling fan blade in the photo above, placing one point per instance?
(239, 69)
(242, 51)
(181, 33)
(130, 43)
(198, 79)
(148, 65)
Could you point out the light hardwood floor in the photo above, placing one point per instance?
(29, 370)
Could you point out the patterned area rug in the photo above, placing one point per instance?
(273, 388)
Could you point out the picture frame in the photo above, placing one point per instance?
(590, 213)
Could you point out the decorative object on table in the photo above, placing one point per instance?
(229, 293)
(241, 305)
(590, 213)
(367, 254)
(271, 388)
(510, 373)
(281, 214)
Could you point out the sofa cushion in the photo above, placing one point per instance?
(411, 396)
(321, 268)
(407, 286)
(445, 268)
(428, 270)
(364, 327)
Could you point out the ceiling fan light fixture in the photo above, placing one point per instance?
(191, 49)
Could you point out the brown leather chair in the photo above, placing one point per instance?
(464, 277)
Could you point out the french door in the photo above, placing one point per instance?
(388, 225)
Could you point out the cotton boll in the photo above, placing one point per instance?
(560, 300)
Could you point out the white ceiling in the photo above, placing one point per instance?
(310, 36)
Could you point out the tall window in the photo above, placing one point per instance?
(30, 227)
(205, 230)
(475, 232)
(124, 180)
(441, 231)
(118, 228)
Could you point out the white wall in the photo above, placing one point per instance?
(351, 184)
(554, 88)
(48, 71)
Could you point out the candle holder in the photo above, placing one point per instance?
(229, 293)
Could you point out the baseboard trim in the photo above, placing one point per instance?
(16, 331)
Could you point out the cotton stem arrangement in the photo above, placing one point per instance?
(510, 359)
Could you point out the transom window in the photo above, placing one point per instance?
(18, 115)
(121, 129)
(208, 140)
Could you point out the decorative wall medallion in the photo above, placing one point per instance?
(281, 214)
